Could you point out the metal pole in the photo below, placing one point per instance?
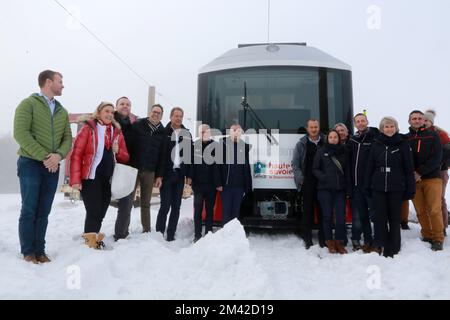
(151, 98)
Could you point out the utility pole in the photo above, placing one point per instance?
(151, 98)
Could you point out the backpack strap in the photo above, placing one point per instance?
(338, 164)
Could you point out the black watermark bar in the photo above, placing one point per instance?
(209, 309)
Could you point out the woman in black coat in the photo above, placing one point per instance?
(390, 180)
(332, 169)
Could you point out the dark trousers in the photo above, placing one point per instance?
(171, 194)
(37, 188)
(231, 203)
(309, 197)
(125, 205)
(204, 196)
(332, 204)
(387, 207)
(96, 197)
(361, 204)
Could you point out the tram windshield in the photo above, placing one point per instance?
(283, 98)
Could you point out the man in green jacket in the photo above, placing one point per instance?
(42, 130)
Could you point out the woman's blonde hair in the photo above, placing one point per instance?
(101, 106)
(387, 120)
(340, 124)
(96, 114)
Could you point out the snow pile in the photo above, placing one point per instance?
(222, 265)
(145, 266)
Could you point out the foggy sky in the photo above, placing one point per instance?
(400, 61)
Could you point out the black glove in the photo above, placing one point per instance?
(408, 196)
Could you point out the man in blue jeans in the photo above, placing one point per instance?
(178, 171)
(42, 130)
(359, 145)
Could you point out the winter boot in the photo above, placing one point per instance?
(437, 246)
(331, 245)
(367, 248)
(379, 250)
(430, 241)
(90, 239)
(30, 258)
(356, 245)
(308, 243)
(43, 258)
(404, 225)
(100, 243)
(94, 240)
(340, 247)
(322, 242)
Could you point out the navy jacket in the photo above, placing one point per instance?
(205, 173)
(427, 152)
(226, 167)
(327, 172)
(186, 151)
(390, 166)
(149, 147)
(359, 146)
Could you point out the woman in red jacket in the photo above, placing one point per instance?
(96, 148)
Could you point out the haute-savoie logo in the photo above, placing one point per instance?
(272, 170)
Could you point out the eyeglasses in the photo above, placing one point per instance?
(156, 112)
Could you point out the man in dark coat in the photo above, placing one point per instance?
(178, 171)
(122, 116)
(359, 145)
(427, 155)
(149, 157)
(306, 182)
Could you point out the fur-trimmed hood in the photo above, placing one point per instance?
(85, 118)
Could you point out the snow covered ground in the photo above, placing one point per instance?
(223, 265)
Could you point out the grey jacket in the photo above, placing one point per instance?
(298, 161)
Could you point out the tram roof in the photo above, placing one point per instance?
(259, 55)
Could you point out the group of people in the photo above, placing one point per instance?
(377, 171)
(165, 157)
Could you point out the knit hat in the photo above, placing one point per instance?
(430, 115)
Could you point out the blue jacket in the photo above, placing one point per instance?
(186, 151)
(226, 167)
(359, 146)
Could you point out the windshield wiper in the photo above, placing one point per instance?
(255, 117)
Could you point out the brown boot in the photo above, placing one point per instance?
(90, 239)
(340, 247)
(378, 250)
(100, 237)
(94, 240)
(30, 258)
(331, 246)
(367, 248)
(43, 259)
